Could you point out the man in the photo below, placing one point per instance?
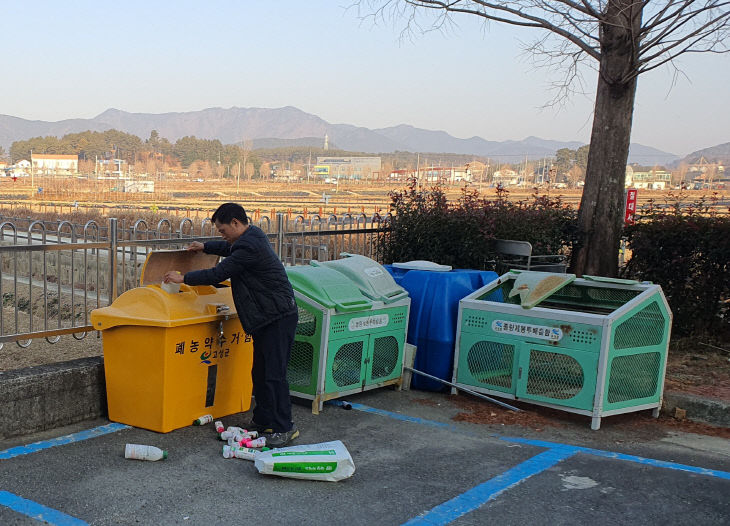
(264, 300)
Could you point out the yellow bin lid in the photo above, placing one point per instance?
(149, 305)
(160, 262)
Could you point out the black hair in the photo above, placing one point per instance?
(227, 212)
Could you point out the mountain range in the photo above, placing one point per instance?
(289, 126)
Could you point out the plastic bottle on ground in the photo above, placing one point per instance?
(241, 452)
(235, 435)
(219, 426)
(142, 452)
(256, 442)
(202, 420)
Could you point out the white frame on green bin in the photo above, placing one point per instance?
(605, 321)
(322, 349)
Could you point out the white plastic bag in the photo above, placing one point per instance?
(328, 461)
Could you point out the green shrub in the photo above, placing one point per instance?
(426, 226)
(685, 248)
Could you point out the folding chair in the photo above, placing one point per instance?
(512, 254)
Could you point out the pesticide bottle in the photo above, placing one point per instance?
(202, 420)
(219, 426)
(241, 452)
(140, 452)
(236, 436)
(256, 442)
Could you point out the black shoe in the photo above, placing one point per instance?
(281, 439)
(253, 426)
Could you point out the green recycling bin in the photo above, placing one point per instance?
(345, 342)
(593, 346)
(373, 280)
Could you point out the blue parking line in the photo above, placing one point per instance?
(554, 445)
(479, 495)
(67, 439)
(37, 511)
(629, 458)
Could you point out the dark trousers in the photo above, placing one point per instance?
(272, 346)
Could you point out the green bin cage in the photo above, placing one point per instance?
(345, 342)
(593, 346)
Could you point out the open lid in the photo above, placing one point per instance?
(159, 262)
(328, 287)
(420, 264)
(533, 287)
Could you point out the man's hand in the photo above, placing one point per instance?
(173, 277)
(195, 246)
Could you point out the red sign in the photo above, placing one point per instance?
(630, 210)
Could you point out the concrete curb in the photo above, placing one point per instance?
(708, 410)
(48, 396)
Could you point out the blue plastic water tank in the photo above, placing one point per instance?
(432, 323)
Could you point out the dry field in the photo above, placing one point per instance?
(197, 199)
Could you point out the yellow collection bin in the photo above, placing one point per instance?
(172, 357)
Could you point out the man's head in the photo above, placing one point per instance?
(231, 221)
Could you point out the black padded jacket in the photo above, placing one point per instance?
(261, 290)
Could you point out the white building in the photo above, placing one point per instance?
(55, 164)
(349, 167)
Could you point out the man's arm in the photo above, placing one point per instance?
(229, 267)
(219, 248)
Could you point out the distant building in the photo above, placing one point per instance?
(139, 185)
(112, 169)
(506, 177)
(349, 167)
(651, 180)
(54, 164)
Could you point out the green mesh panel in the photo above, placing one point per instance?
(596, 300)
(307, 324)
(299, 371)
(553, 375)
(385, 357)
(347, 364)
(491, 363)
(644, 328)
(633, 376)
(611, 296)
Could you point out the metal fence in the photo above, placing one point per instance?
(53, 274)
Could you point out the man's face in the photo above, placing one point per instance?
(230, 232)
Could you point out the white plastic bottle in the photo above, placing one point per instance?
(141, 452)
(239, 452)
(202, 420)
(219, 426)
(256, 442)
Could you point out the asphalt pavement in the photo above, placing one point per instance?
(414, 465)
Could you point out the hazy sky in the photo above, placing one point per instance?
(76, 59)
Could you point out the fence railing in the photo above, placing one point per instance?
(54, 273)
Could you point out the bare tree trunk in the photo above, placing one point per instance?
(600, 217)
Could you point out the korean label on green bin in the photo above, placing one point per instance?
(305, 467)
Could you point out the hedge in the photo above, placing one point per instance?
(685, 248)
(426, 226)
